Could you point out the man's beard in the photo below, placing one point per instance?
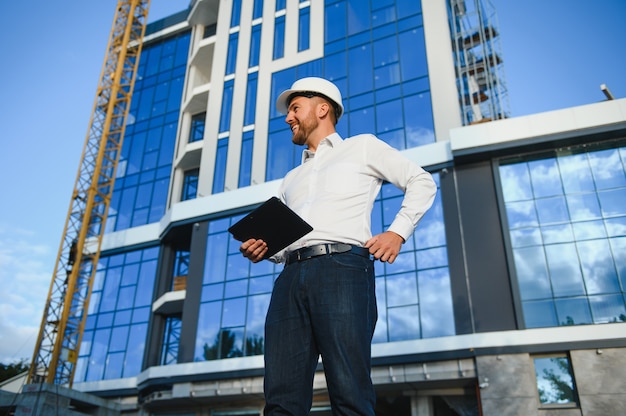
(305, 127)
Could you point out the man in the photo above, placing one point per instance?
(323, 302)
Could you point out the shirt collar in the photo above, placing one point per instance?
(332, 141)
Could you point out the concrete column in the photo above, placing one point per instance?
(445, 97)
(507, 385)
(422, 406)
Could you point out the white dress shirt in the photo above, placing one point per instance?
(334, 190)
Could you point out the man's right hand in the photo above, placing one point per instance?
(254, 250)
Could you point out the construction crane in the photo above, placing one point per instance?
(65, 311)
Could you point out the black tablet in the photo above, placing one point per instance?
(273, 222)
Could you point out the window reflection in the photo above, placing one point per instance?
(234, 300)
(171, 338)
(197, 127)
(118, 317)
(419, 284)
(190, 184)
(566, 217)
(358, 16)
(401, 289)
(555, 381)
(402, 324)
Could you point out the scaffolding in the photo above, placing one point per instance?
(478, 61)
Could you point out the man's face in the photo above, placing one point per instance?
(301, 118)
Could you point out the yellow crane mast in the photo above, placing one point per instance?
(65, 311)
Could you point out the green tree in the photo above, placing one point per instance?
(11, 370)
(223, 347)
(255, 345)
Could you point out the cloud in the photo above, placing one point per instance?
(25, 272)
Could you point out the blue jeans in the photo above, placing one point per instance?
(322, 306)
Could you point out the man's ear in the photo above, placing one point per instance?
(322, 109)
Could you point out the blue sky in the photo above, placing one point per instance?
(556, 54)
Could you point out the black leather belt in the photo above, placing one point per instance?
(322, 249)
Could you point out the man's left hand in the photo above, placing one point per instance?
(385, 247)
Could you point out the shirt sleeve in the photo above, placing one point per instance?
(418, 186)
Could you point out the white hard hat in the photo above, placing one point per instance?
(314, 86)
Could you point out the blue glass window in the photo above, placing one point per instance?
(279, 37)
(412, 65)
(363, 120)
(566, 219)
(197, 127)
(384, 15)
(220, 165)
(255, 46)
(235, 297)
(282, 155)
(281, 5)
(419, 127)
(304, 29)
(405, 8)
(359, 15)
(257, 10)
(231, 59)
(171, 340)
(190, 185)
(143, 174)
(336, 65)
(209, 30)
(119, 309)
(249, 111)
(181, 263)
(386, 51)
(245, 164)
(417, 284)
(335, 22)
(360, 70)
(555, 381)
(236, 13)
(227, 106)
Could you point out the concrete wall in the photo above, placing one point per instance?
(601, 380)
(508, 384)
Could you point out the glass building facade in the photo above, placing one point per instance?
(145, 165)
(566, 216)
(525, 234)
(375, 54)
(117, 322)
